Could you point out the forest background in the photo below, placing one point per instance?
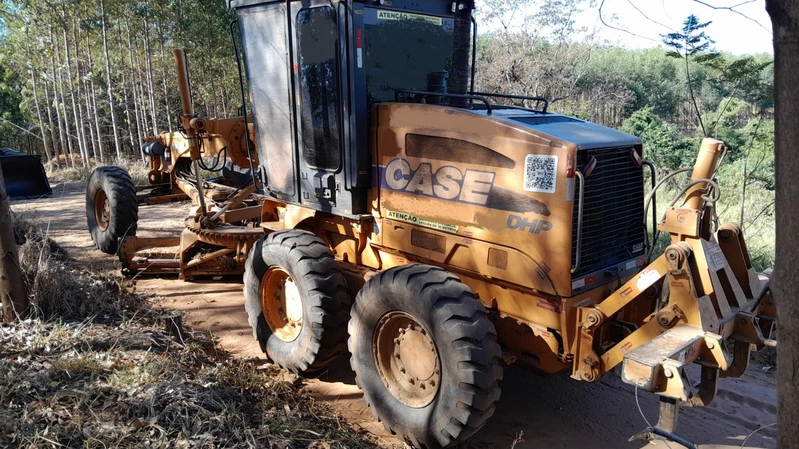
(82, 83)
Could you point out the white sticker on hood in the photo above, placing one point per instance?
(540, 173)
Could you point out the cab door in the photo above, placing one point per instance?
(318, 114)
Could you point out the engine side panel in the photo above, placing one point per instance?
(455, 172)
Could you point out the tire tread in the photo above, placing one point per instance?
(470, 335)
(326, 293)
(121, 193)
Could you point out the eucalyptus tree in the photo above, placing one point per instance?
(691, 44)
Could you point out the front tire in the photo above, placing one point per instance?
(425, 355)
(112, 209)
(296, 300)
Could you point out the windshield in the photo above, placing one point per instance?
(402, 49)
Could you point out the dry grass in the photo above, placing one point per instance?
(95, 369)
(60, 288)
(138, 171)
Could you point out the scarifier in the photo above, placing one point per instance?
(381, 205)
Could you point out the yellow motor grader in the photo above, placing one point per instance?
(435, 232)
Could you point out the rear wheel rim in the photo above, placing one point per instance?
(407, 359)
(281, 304)
(102, 210)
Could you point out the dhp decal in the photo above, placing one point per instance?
(535, 226)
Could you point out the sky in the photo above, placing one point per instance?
(745, 32)
(746, 29)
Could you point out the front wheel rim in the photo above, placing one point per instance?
(281, 304)
(407, 359)
(102, 210)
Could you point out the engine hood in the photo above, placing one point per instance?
(584, 134)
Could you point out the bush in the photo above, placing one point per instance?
(663, 144)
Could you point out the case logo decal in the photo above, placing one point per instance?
(449, 183)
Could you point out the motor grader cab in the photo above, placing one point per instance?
(439, 233)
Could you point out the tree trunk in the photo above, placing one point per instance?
(212, 80)
(36, 101)
(96, 114)
(62, 135)
(148, 65)
(63, 104)
(12, 291)
(224, 101)
(143, 103)
(127, 97)
(81, 99)
(785, 22)
(138, 96)
(87, 97)
(76, 120)
(49, 109)
(128, 120)
(163, 63)
(130, 123)
(93, 97)
(108, 81)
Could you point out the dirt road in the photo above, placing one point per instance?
(537, 411)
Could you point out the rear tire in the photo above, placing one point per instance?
(296, 300)
(417, 328)
(112, 209)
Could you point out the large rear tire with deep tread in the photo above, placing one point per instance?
(112, 210)
(415, 329)
(296, 300)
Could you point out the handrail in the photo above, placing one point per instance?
(444, 94)
(651, 167)
(576, 266)
(516, 97)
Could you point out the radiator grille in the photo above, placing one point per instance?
(613, 215)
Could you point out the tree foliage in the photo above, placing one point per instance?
(666, 147)
(96, 77)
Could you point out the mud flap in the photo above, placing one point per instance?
(24, 175)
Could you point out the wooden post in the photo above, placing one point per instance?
(785, 21)
(12, 290)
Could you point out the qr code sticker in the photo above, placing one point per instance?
(540, 173)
